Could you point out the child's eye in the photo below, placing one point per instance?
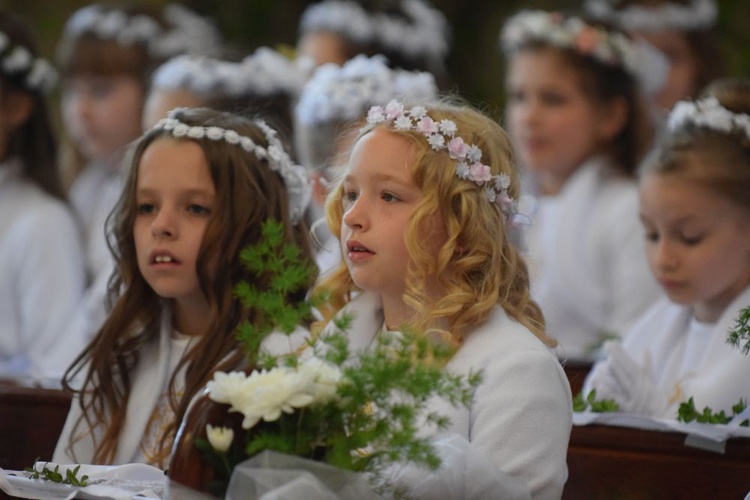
(196, 209)
(691, 240)
(145, 208)
(389, 197)
(652, 236)
(350, 195)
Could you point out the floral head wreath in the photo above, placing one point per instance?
(612, 48)
(265, 72)
(698, 14)
(709, 113)
(17, 62)
(345, 93)
(442, 136)
(293, 175)
(423, 34)
(187, 32)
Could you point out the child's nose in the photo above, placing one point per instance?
(163, 225)
(356, 215)
(666, 258)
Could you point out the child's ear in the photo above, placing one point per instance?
(16, 109)
(613, 118)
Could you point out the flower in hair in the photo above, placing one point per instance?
(708, 113)
(569, 32)
(35, 73)
(441, 136)
(293, 175)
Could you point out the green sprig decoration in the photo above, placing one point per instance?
(596, 405)
(55, 476)
(381, 406)
(688, 413)
(739, 336)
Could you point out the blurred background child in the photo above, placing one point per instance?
(42, 275)
(106, 56)
(695, 208)
(579, 127)
(683, 30)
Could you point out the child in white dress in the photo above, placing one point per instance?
(421, 216)
(42, 276)
(200, 184)
(579, 128)
(695, 208)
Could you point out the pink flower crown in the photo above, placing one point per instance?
(442, 136)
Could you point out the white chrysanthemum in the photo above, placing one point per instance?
(269, 393)
(323, 377)
(226, 387)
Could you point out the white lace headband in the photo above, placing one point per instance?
(423, 34)
(698, 14)
(187, 32)
(442, 136)
(344, 93)
(17, 61)
(710, 114)
(265, 72)
(647, 65)
(293, 175)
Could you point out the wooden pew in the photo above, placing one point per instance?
(610, 462)
(31, 419)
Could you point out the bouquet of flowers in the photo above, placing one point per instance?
(361, 412)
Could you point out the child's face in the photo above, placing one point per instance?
(697, 243)
(322, 47)
(174, 198)
(102, 114)
(379, 199)
(683, 68)
(553, 124)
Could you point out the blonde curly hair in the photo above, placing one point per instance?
(477, 267)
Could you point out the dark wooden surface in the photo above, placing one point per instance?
(610, 462)
(31, 419)
(576, 372)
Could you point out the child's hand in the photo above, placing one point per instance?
(633, 382)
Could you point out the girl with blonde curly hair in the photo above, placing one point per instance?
(421, 214)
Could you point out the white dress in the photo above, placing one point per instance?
(149, 381)
(689, 360)
(520, 417)
(42, 279)
(587, 260)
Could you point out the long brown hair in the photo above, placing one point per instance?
(248, 192)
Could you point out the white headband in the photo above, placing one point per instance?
(266, 72)
(646, 64)
(294, 176)
(699, 14)
(423, 34)
(187, 32)
(36, 74)
(710, 114)
(344, 93)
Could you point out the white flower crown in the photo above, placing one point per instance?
(443, 136)
(698, 14)
(17, 61)
(569, 32)
(187, 31)
(423, 34)
(293, 175)
(345, 93)
(709, 113)
(265, 72)
(646, 64)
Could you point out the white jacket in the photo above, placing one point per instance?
(520, 417)
(587, 260)
(42, 279)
